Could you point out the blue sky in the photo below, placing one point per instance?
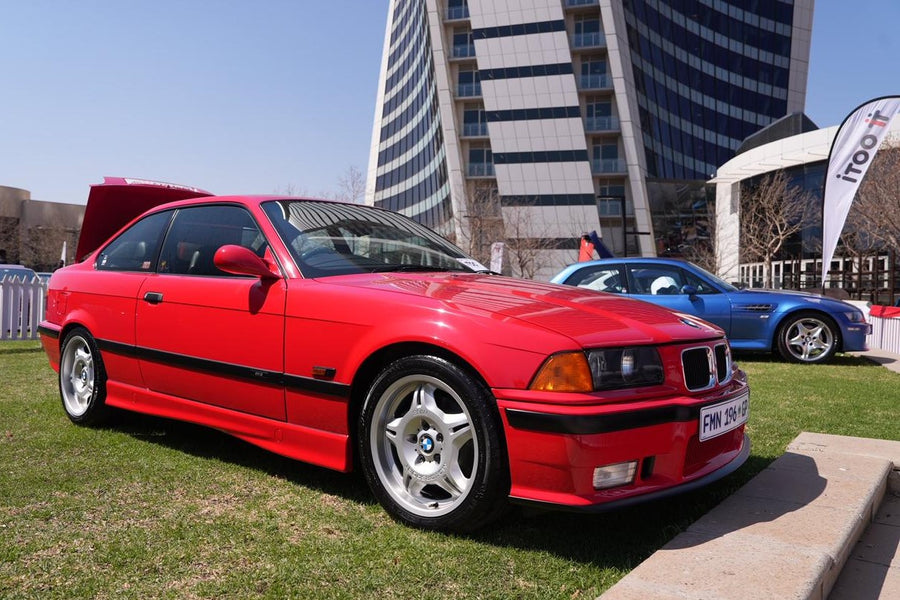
(240, 96)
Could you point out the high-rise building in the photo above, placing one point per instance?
(537, 121)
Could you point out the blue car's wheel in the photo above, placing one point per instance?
(808, 337)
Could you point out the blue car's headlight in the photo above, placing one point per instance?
(625, 367)
(855, 316)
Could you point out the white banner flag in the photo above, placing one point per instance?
(853, 149)
(497, 249)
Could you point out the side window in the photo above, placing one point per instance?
(136, 248)
(197, 232)
(702, 286)
(657, 280)
(600, 278)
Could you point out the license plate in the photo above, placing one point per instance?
(723, 417)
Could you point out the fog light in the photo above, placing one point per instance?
(614, 475)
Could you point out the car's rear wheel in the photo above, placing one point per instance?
(808, 338)
(431, 445)
(82, 378)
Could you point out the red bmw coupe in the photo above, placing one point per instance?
(344, 335)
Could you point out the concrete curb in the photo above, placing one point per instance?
(785, 534)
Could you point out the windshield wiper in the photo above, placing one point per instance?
(413, 268)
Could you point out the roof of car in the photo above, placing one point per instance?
(634, 259)
(118, 200)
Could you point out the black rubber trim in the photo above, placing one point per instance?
(726, 470)
(193, 363)
(585, 425)
(50, 333)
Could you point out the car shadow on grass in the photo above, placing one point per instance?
(618, 539)
(205, 442)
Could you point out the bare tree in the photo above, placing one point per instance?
(481, 225)
(352, 186)
(771, 213)
(526, 240)
(9, 240)
(876, 210)
(41, 246)
(700, 242)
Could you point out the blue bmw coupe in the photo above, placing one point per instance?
(801, 327)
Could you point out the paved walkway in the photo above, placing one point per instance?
(821, 522)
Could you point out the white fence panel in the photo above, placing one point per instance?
(21, 308)
(885, 334)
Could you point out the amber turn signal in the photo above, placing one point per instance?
(565, 372)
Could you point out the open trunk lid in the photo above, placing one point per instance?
(118, 200)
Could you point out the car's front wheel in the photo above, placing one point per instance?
(431, 445)
(82, 378)
(807, 338)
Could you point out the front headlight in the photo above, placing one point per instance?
(600, 369)
(625, 367)
(855, 316)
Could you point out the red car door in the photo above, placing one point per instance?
(206, 335)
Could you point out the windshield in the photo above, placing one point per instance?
(717, 280)
(328, 239)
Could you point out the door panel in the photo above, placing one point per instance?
(207, 335)
(217, 340)
(662, 284)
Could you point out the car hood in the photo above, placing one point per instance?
(117, 201)
(590, 318)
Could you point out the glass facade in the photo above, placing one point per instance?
(411, 175)
(693, 79)
(708, 74)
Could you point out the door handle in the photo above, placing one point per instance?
(153, 297)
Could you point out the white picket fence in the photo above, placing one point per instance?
(885, 334)
(22, 305)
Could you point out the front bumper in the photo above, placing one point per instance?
(553, 449)
(854, 337)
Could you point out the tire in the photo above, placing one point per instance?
(808, 337)
(431, 446)
(82, 379)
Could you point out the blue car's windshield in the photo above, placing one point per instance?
(717, 280)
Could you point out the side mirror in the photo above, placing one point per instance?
(690, 290)
(241, 261)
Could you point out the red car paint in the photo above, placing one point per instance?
(284, 361)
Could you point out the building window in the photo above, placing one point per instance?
(469, 82)
(610, 200)
(598, 115)
(463, 46)
(606, 159)
(481, 162)
(588, 32)
(457, 9)
(593, 74)
(474, 121)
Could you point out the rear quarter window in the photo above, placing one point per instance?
(136, 248)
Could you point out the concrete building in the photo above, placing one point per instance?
(32, 232)
(797, 148)
(547, 119)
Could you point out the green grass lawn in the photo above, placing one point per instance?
(149, 508)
